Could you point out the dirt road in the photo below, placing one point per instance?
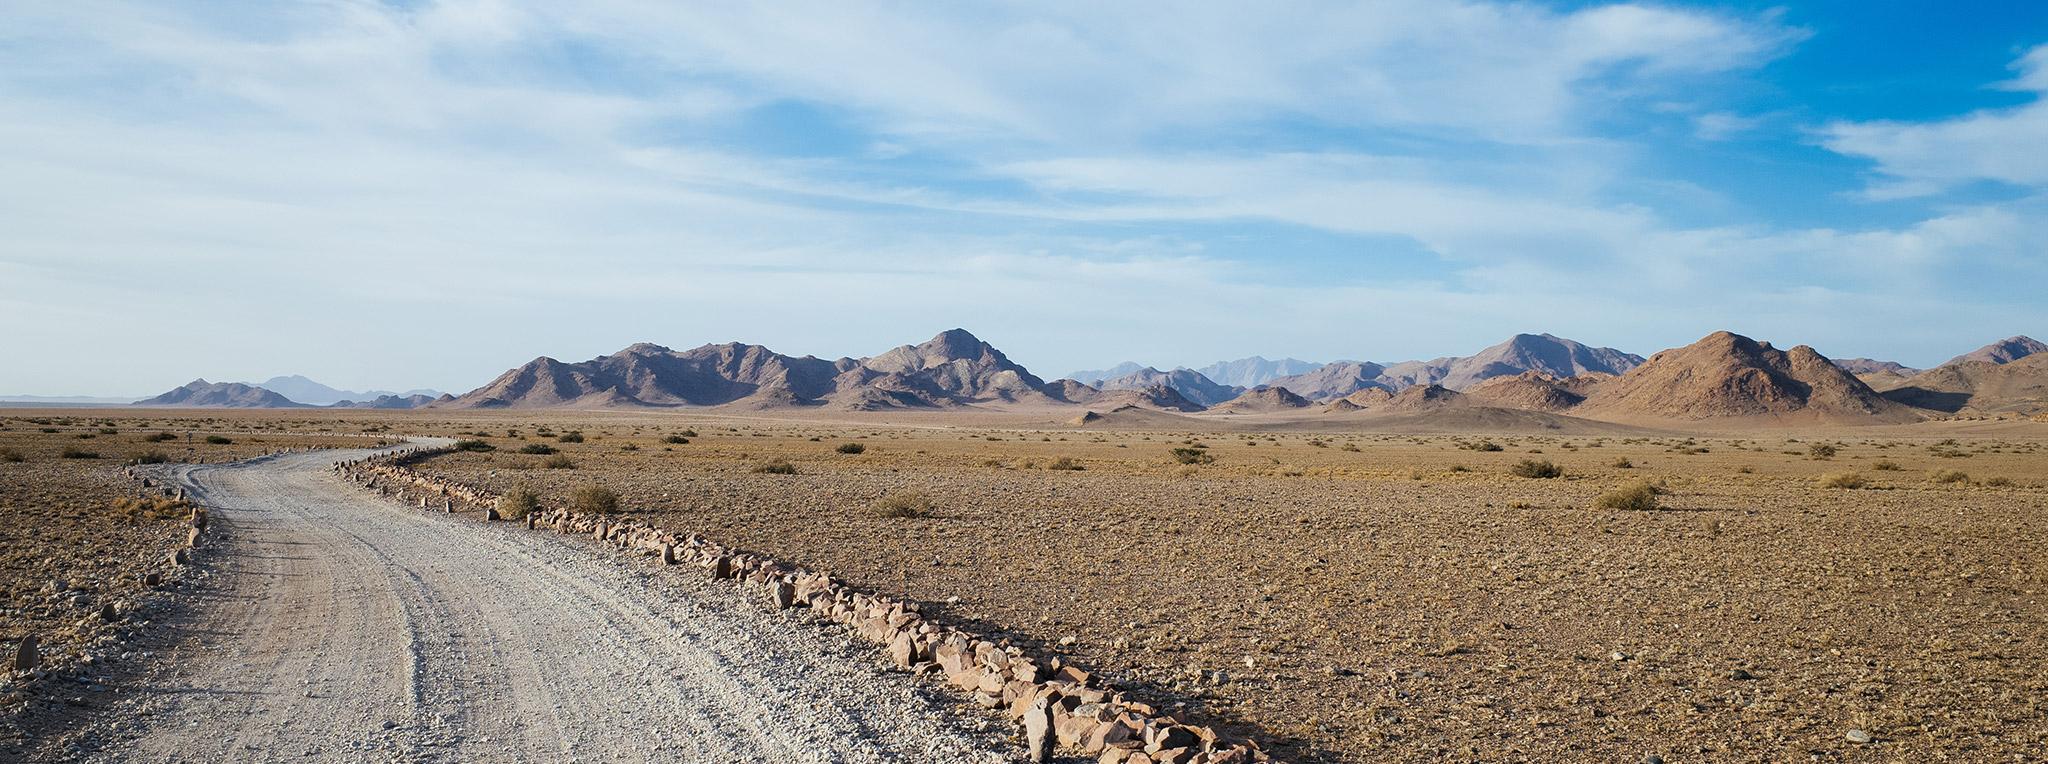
(341, 627)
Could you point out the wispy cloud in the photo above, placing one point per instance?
(189, 182)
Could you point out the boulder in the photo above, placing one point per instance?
(781, 595)
(1038, 734)
(26, 655)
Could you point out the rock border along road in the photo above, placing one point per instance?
(336, 625)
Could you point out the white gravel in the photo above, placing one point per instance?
(330, 625)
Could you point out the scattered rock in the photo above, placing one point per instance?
(1859, 737)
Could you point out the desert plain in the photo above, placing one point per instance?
(1869, 593)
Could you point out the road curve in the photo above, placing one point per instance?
(335, 625)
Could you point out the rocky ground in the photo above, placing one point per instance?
(1367, 597)
(1362, 597)
(72, 540)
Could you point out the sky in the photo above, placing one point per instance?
(424, 194)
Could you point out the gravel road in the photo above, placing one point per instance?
(332, 625)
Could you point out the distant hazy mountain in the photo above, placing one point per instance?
(1544, 353)
(201, 393)
(1255, 371)
(1098, 376)
(1862, 366)
(68, 400)
(303, 390)
(1188, 382)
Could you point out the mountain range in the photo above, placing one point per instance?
(303, 390)
(1722, 376)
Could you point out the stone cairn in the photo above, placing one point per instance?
(1059, 706)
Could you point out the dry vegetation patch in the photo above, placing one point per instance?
(1371, 603)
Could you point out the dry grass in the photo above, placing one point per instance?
(903, 504)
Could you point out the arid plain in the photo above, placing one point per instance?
(1853, 593)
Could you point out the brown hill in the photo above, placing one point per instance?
(1544, 353)
(1158, 397)
(1262, 399)
(1726, 375)
(951, 369)
(2003, 351)
(1368, 398)
(1333, 380)
(200, 393)
(1425, 398)
(1071, 391)
(1529, 391)
(1862, 366)
(1188, 382)
(2017, 386)
(1134, 418)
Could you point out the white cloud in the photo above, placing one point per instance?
(326, 182)
(1924, 158)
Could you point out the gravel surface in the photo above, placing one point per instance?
(330, 625)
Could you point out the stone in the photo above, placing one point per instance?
(668, 554)
(26, 655)
(108, 613)
(781, 594)
(903, 650)
(1038, 733)
(1859, 737)
(490, 514)
(192, 537)
(181, 557)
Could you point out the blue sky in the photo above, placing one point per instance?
(423, 194)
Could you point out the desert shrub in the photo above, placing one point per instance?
(151, 457)
(1352, 447)
(675, 440)
(76, 453)
(1949, 476)
(1746, 470)
(903, 504)
(1998, 482)
(569, 437)
(630, 447)
(149, 507)
(688, 433)
(1484, 445)
(1821, 451)
(109, 431)
(11, 456)
(158, 437)
(1065, 463)
(851, 448)
(1460, 468)
(538, 449)
(220, 440)
(517, 504)
(1843, 480)
(1639, 495)
(777, 467)
(1192, 456)
(594, 499)
(1886, 466)
(558, 462)
(1536, 468)
(1622, 464)
(474, 445)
